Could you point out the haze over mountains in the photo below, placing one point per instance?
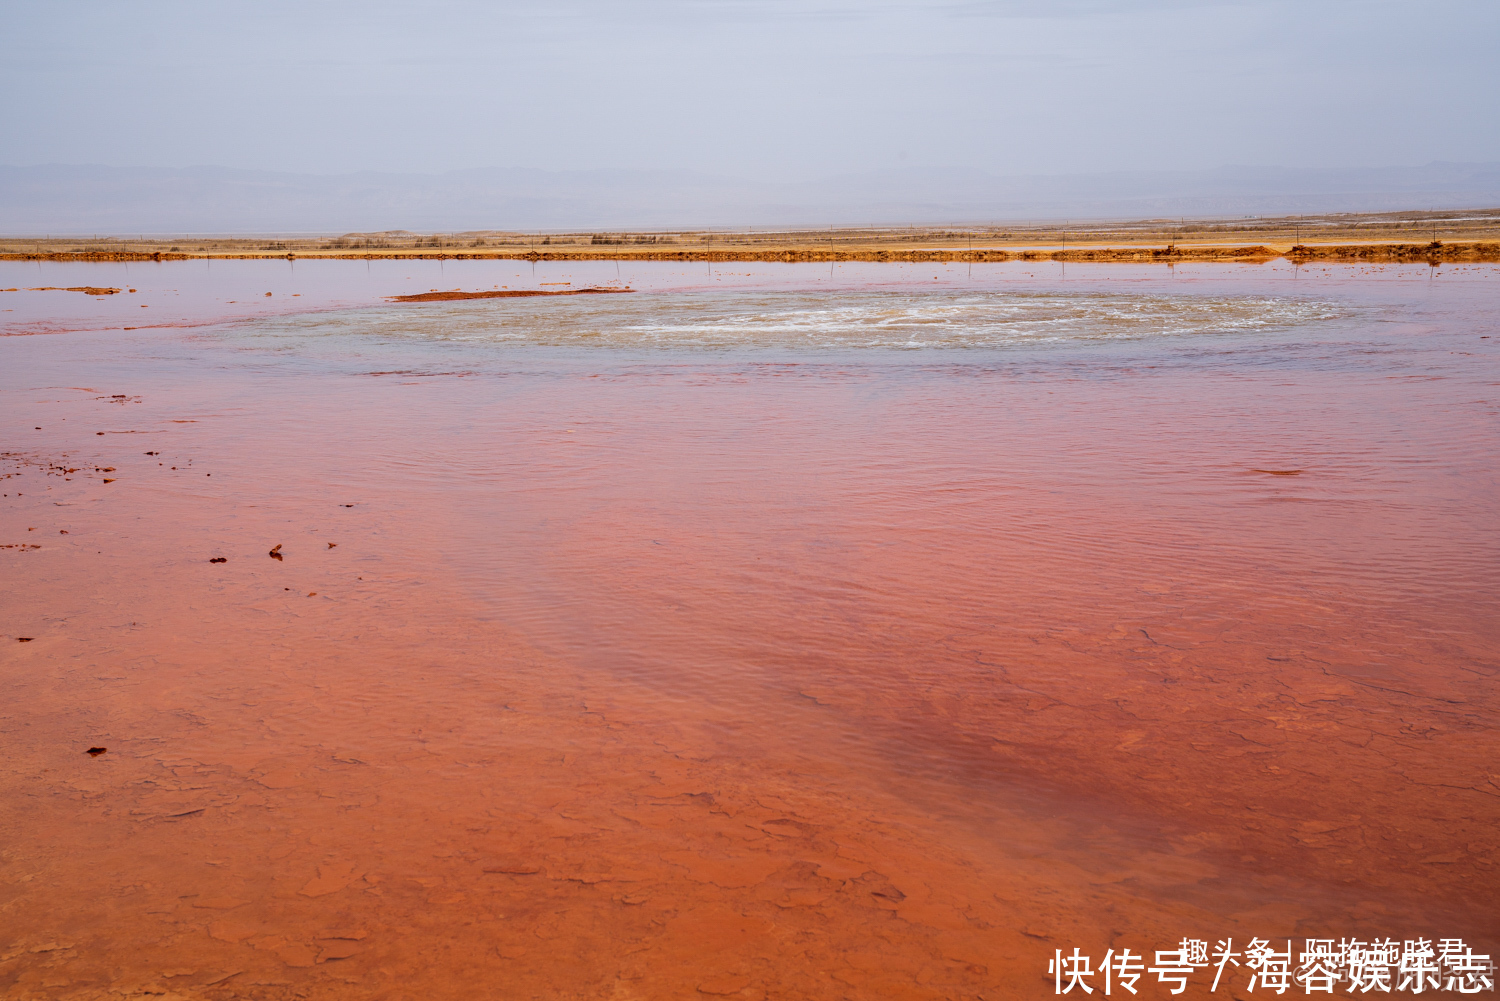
(83, 200)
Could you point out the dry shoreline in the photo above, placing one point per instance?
(1450, 235)
(1434, 252)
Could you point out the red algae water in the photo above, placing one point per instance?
(767, 632)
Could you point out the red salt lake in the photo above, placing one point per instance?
(763, 633)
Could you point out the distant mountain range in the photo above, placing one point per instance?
(81, 200)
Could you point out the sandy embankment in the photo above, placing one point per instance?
(1456, 235)
(1436, 252)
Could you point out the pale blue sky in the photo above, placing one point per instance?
(781, 90)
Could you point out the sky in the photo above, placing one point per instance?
(770, 89)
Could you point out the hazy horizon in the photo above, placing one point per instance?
(92, 200)
(168, 116)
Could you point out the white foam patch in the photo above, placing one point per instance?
(849, 320)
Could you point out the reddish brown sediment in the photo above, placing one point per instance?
(86, 289)
(631, 687)
(501, 294)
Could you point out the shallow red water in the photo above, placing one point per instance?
(640, 668)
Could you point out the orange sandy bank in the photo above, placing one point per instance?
(1436, 251)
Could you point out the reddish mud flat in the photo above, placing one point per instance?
(86, 289)
(762, 637)
(500, 294)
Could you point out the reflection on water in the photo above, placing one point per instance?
(723, 641)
